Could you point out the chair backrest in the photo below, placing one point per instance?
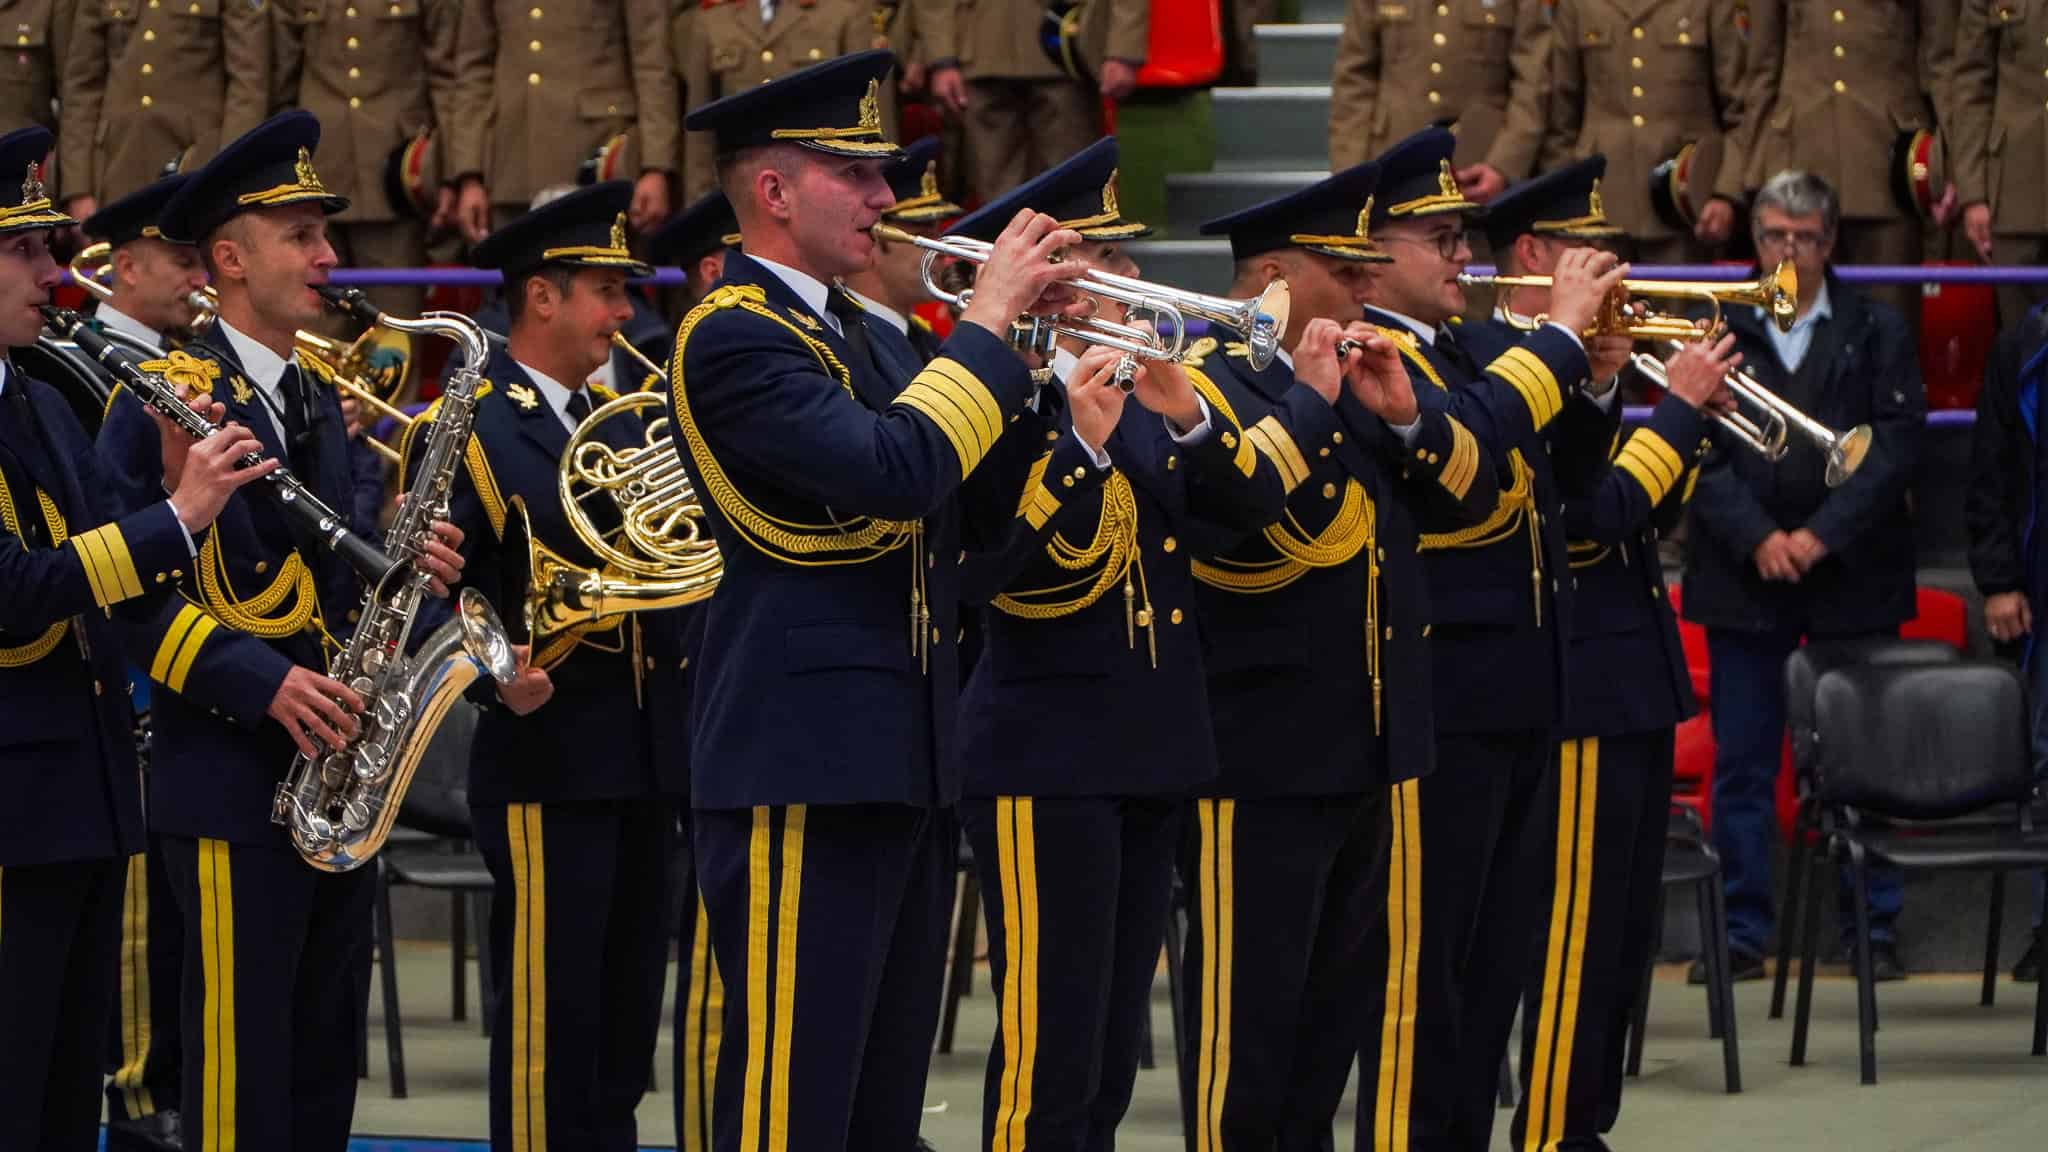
(1938, 614)
(1808, 663)
(1922, 742)
(437, 801)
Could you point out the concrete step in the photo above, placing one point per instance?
(1292, 54)
(1321, 12)
(1192, 197)
(1263, 129)
(1201, 265)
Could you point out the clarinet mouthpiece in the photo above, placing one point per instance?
(350, 302)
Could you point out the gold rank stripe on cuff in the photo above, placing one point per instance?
(108, 566)
(1532, 379)
(963, 408)
(180, 647)
(1652, 463)
(1274, 442)
(1463, 464)
(1038, 504)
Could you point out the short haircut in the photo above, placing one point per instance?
(559, 275)
(1797, 193)
(235, 229)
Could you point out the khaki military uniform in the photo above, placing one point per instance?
(377, 73)
(1023, 114)
(1999, 146)
(542, 84)
(723, 46)
(36, 31)
(148, 81)
(1833, 84)
(1404, 66)
(1637, 80)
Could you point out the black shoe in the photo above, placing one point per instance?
(1742, 966)
(924, 1145)
(156, 1132)
(1885, 965)
(2028, 969)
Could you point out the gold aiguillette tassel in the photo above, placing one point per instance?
(1130, 613)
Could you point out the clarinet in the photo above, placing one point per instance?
(287, 493)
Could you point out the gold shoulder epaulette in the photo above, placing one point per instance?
(604, 395)
(733, 295)
(1199, 351)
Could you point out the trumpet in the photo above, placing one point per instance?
(1261, 320)
(1768, 431)
(1626, 313)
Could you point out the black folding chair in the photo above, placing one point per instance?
(1920, 767)
(1691, 862)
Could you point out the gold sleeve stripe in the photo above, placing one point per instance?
(1038, 504)
(108, 565)
(952, 377)
(1532, 378)
(1661, 450)
(188, 652)
(1273, 439)
(486, 486)
(1463, 464)
(1645, 471)
(105, 588)
(953, 399)
(167, 650)
(942, 411)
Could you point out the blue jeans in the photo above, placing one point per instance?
(1749, 730)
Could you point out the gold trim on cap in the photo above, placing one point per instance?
(866, 136)
(1447, 197)
(305, 185)
(1358, 245)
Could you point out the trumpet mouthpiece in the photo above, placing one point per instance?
(891, 233)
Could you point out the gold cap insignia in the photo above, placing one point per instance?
(1365, 220)
(929, 184)
(1446, 183)
(32, 184)
(523, 396)
(871, 106)
(1593, 205)
(305, 175)
(1109, 207)
(619, 232)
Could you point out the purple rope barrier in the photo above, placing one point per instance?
(1939, 418)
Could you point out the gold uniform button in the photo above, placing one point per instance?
(1636, 62)
(1051, 436)
(1068, 481)
(355, 73)
(354, 614)
(1080, 473)
(1841, 86)
(355, 101)
(21, 40)
(177, 574)
(1436, 67)
(146, 102)
(1840, 52)
(1172, 462)
(684, 666)
(1169, 544)
(935, 637)
(1436, 97)
(193, 9)
(1229, 439)
(533, 79)
(533, 45)
(1329, 491)
(1322, 451)
(160, 577)
(1685, 38)
(1839, 16)
(1336, 437)
(1636, 120)
(147, 69)
(262, 566)
(1636, 32)
(349, 11)
(148, 34)
(1443, 9)
(815, 54)
(1175, 616)
(1636, 90)
(1439, 39)
(354, 43)
(533, 13)
(767, 55)
(397, 11)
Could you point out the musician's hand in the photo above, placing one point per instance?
(2007, 616)
(1977, 226)
(1020, 270)
(1378, 380)
(441, 557)
(210, 471)
(1698, 373)
(351, 415)
(949, 88)
(530, 689)
(1315, 359)
(1119, 79)
(1480, 182)
(1774, 561)
(473, 210)
(1580, 285)
(1094, 399)
(1163, 387)
(316, 711)
(1608, 355)
(172, 441)
(1807, 549)
(650, 201)
(1716, 222)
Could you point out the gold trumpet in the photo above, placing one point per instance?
(1769, 429)
(655, 378)
(1626, 312)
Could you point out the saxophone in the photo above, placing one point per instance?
(340, 805)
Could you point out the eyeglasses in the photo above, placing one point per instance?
(1447, 244)
(1788, 238)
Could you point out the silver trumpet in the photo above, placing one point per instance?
(1764, 421)
(1155, 325)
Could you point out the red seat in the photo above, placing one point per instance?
(1958, 323)
(1185, 47)
(1938, 615)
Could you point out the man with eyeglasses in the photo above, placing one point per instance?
(1777, 557)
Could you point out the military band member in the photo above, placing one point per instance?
(1999, 141)
(1318, 680)
(153, 279)
(1403, 67)
(894, 285)
(28, 86)
(1638, 83)
(547, 88)
(270, 943)
(142, 87)
(695, 241)
(381, 77)
(822, 744)
(1023, 112)
(1497, 599)
(68, 557)
(1081, 724)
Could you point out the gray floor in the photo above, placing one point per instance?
(1955, 1076)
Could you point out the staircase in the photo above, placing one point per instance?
(1270, 140)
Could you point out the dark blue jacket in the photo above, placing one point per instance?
(216, 758)
(617, 725)
(66, 753)
(1866, 374)
(1319, 680)
(1106, 697)
(2002, 505)
(823, 680)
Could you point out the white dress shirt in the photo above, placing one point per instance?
(1792, 346)
(882, 312)
(808, 288)
(127, 325)
(265, 370)
(555, 392)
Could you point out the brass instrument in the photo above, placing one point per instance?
(1262, 320)
(1625, 313)
(1768, 431)
(655, 379)
(90, 269)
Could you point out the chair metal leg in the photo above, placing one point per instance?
(1176, 955)
(387, 973)
(1995, 921)
(1789, 911)
(1866, 983)
(1147, 1059)
(2041, 995)
(1639, 1024)
(486, 984)
(1731, 1051)
(960, 972)
(1715, 961)
(458, 960)
(1504, 1094)
(1809, 939)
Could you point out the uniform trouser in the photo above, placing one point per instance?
(829, 927)
(1283, 909)
(1459, 918)
(1076, 891)
(697, 1013)
(385, 244)
(1019, 128)
(2008, 249)
(271, 1004)
(59, 929)
(579, 950)
(144, 1051)
(1601, 857)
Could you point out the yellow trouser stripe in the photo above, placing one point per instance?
(759, 928)
(1017, 868)
(217, 964)
(529, 991)
(1218, 820)
(1404, 946)
(135, 1037)
(789, 901)
(699, 1057)
(1565, 948)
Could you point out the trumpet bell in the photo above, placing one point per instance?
(1781, 296)
(1268, 325)
(1847, 454)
